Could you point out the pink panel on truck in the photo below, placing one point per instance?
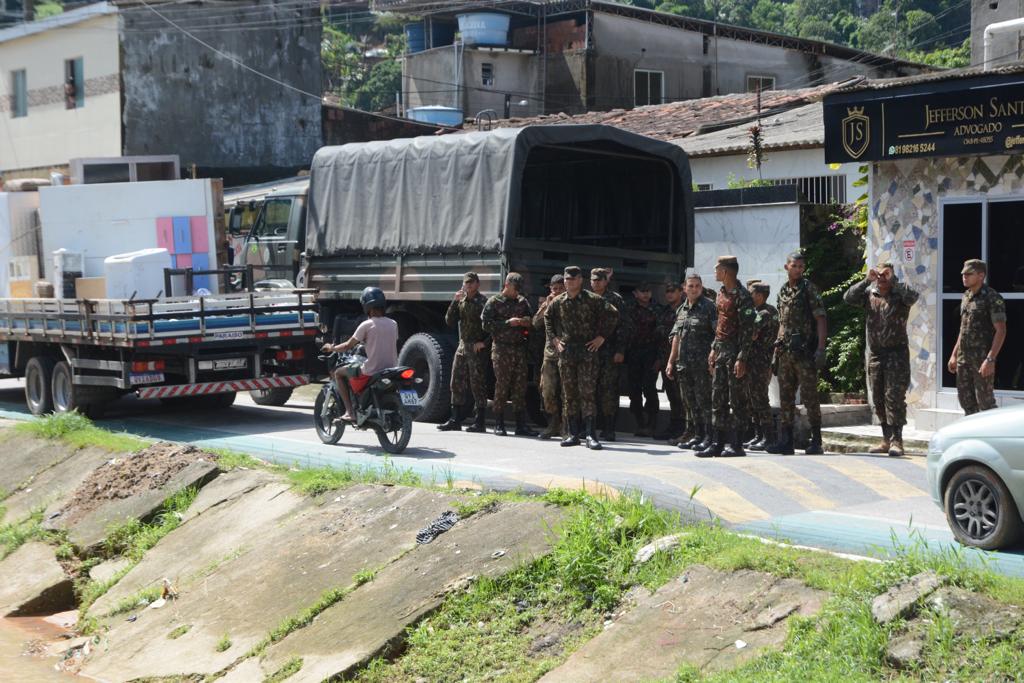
(200, 235)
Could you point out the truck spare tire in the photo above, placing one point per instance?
(430, 356)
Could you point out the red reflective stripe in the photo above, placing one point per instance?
(143, 343)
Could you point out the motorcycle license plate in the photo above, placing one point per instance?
(409, 397)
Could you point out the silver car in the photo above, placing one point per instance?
(976, 475)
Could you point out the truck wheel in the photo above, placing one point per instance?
(271, 397)
(431, 357)
(67, 396)
(38, 376)
(224, 399)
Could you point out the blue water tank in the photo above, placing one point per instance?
(415, 37)
(441, 34)
(484, 28)
(438, 115)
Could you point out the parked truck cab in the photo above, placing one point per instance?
(277, 237)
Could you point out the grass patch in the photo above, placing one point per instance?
(320, 480)
(179, 632)
(78, 431)
(138, 599)
(224, 644)
(290, 668)
(303, 618)
(17, 534)
(234, 460)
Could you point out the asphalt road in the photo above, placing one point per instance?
(858, 504)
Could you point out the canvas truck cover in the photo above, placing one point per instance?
(452, 193)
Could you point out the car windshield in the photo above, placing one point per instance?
(274, 219)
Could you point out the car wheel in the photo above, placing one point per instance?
(980, 509)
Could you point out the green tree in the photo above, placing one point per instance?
(360, 81)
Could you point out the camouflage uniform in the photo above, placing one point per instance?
(550, 385)
(509, 352)
(577, 320)
(734, 336)
(677, 408)
(888, 346)
(643, 358)
(695, 326)
(799, 306)
(469, 368)
(978, 312)
(759, 365)
(609, 372)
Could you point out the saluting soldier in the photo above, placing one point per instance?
(887, 302)
(550, 384)
(643, 358)
(469, 368)
(578, 323)
(730, 351)
(611, 355)
(759, 369)
(799, 354)
(677, 425)
(982, 333)
(692, 335)
(507, 316)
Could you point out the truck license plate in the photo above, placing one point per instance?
(229, 364)
(409, 397)
(147, 378)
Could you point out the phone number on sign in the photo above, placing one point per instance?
(912, 148)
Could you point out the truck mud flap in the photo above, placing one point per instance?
(205, 388)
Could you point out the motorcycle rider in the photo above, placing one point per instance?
(379, 336)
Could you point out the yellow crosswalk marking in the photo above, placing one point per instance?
(555, 481)
(881, 481)
(720, 499)
(778, 476)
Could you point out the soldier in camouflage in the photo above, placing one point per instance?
(887, 303)
(759, 369)
(982, 333)
(799, 354)
(550, 385)
(692, 336)
(578, 323)
(507, 316)
(677, 425)
(730, 351)
(612, 354)
(469, 368)
(643, 358)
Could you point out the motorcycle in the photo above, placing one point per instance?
(385, 405)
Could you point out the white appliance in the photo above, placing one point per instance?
(137, 274)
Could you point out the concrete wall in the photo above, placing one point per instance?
(51, 134)
(182, 98)
(1004, 46)
(797, 163)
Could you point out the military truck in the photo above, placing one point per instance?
(411, 216)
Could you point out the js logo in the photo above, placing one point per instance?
(856, 132)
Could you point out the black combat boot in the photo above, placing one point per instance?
(588, 428)
(608, 433)
(499, 423)
(709, 438)
(883, 447)
(715, 448)
(641, 425)
(768, 437)
(478, 422)
(554, 427)
(814, 447)
(454, 423)
(758, 436)
(784, 446)
(573, 437)
(673, 431)
(652, 422)
(694, 438)
(896, 449)
(523, 429)
(734, 447)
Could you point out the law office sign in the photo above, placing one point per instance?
(955, 117)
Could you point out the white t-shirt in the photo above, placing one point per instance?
(380, 337)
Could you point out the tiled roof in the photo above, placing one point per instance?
(794, 129)
(950, 75)
(687, 117)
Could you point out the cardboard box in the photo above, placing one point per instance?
(21, 289)
(90, 288)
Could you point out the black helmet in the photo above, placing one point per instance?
(372, 297)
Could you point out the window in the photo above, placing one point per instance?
(487, 73)
(822, 189)
(648, 87)
(705, 43)
(989, 230)
(760, 83)
(19, 90)
(74, 83)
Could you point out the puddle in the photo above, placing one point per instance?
(33, 633)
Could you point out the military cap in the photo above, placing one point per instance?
(760, 287)
(599, 274)
(557, 279)
(643, 287)
(470, 277)
(974, 265)
(572, 271)
(672, 285)
(729, 261)
(752, 282)
(514, 279)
